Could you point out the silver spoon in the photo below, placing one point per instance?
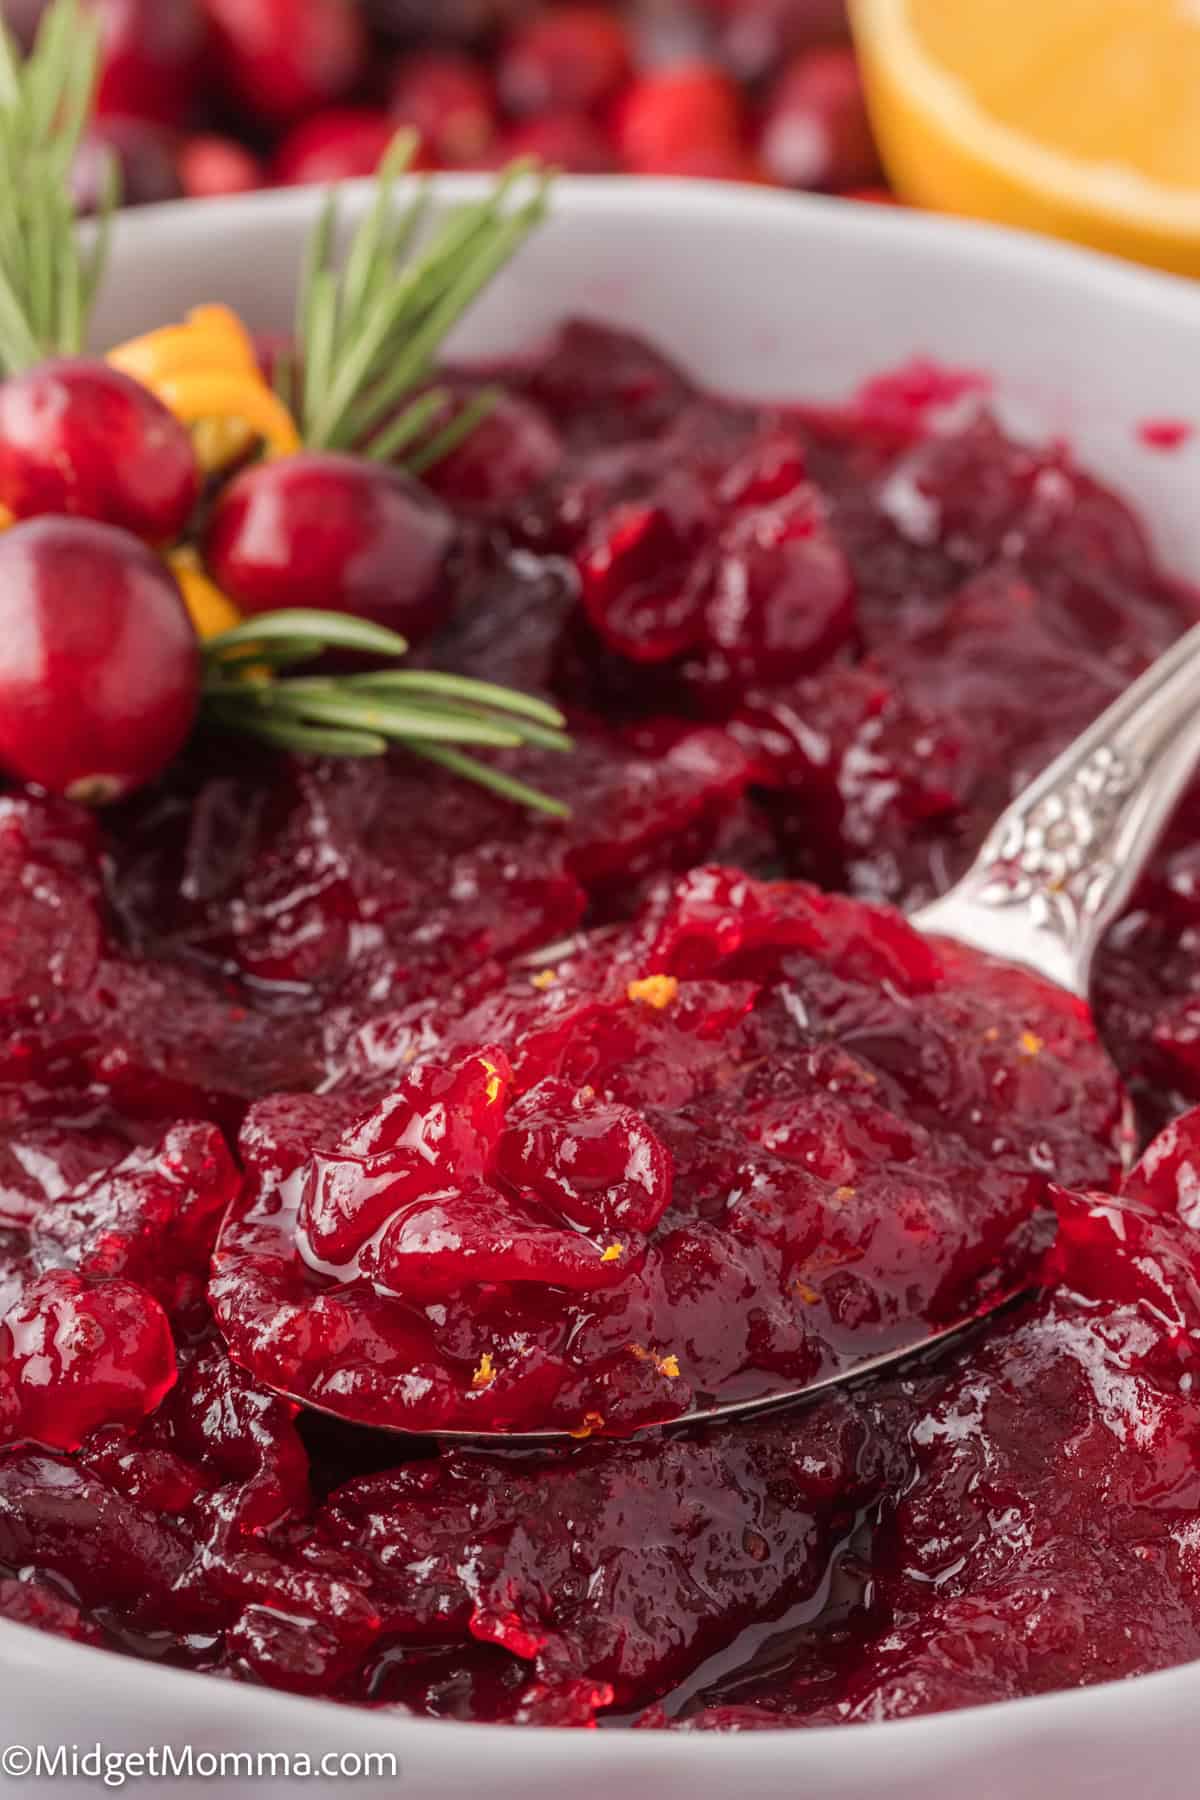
(1055, 871)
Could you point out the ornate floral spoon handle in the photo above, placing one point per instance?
(1060, 864)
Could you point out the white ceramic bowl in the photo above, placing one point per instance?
(774, 297)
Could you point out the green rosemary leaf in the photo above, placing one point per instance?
(40, 297)
(480, 265)
(408, 427)
(390, 719)
(455, 433)
(19, 348)
(321, 344)
(516, 731)
(429, 711)
(287, 735)
(283, 378)
(461, 687)
(459, 238)
(329, 630)
(495, 779)
(93, 260)
(536, 737)
(229, 670)
(48, 278)
(318, 252)
(370, 333)
(367, 263)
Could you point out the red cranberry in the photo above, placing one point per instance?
(571, 57)
(283, 58)
(332, 531)
(210, 166)
(143, 155)
(449, 22)
(99, 670)
(566, 140)
(667, 32)
(757, 36)
(672, 120)
(447, 99)
(337, 145)
(153, 58)
(79, 437)
(816, 133)
(513, 450)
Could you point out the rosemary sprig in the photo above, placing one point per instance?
(433, 714)
(371, 328)
(48, 279)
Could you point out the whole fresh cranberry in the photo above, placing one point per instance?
(99, 665)
(335, 532)
(757, 36)
(335, 145)
(815, 131)
(667, 32)
(210, 165)
(143, 156)
(571, 57)
(81, 438)
(448, 100)
(449, 21)
(284, 58)
(571, 141)
(674, 121)
(152, 58)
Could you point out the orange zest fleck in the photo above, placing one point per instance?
(545, 978)
(495, 1082)
(592, 1422)
(1031, 1044)
(655, 990)
(842, 1194)
(485, 1374)
(669, 1366)
(613, 1253)
(808, 1294)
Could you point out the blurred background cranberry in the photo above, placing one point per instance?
(143, 155)
(153, 58)
(212, 97)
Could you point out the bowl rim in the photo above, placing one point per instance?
(924, 1742)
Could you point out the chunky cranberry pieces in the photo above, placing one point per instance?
(741, 1144)
(744, 1132)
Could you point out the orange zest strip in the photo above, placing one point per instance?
(210, 611)
(207, 373)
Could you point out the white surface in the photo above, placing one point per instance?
(776, 297)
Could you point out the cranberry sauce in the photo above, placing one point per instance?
(292, 1127)
(760, 1134)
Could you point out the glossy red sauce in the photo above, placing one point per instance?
(752, 1130)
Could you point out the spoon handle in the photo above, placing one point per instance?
(1060, 864)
